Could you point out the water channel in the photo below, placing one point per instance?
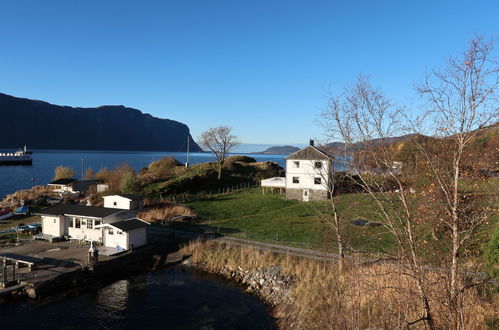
(169, 298)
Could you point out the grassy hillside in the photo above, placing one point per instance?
(250, 214)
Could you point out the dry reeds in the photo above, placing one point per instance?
(158, 211)
(373, 296)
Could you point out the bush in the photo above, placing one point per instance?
(63, 172)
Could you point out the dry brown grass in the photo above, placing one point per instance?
(25, 194)
(374, 296)
(158, 210)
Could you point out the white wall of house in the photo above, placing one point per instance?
(114, 237)
(53, 225)
(84, 228)
(309, 175)
(117, 202)
(138, 237)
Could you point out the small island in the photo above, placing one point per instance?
(279, 150)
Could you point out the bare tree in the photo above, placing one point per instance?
(364, 119)
(220, 141)
(460, 99)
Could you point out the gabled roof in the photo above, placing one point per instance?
(63, 181)
(128, 196)
(128, 224)
(310, 153)
(71, 209)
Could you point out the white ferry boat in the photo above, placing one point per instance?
(20, 157)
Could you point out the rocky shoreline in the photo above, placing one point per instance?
(270, 284)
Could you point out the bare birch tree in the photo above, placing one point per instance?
(220, 141)
(460, 99)
(364, 119)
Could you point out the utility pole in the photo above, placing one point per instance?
(82, 161)
(187, 161)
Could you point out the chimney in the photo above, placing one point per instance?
(312, 142)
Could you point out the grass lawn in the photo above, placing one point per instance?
(271, 218)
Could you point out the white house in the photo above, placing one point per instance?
(126, 202)
(86, 223)
(309, 174)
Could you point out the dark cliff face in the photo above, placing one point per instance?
(41, 125)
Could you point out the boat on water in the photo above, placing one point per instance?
(20, 157)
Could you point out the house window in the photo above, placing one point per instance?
(119, 232)
(89, 224)
(296, 179)
(318, 164)
(77, 223)
(54, 220)
(317, 180)
(115, 203)
(97, 222)
(296, 164)
(110, 231)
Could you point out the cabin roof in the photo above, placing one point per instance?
(310, 153)
(129, 224)
(127, 196)
(63, 181)
(71, 209)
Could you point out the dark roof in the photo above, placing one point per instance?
(63, 181)
(129, 224)
(310, 153)
(71, 209)
(132, 197)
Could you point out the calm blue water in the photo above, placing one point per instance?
(165, 299)
(13, 178)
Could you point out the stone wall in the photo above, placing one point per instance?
(270, 284)
(294, 194)
(315, 195)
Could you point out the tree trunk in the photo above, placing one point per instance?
(341, 255)
(219, 171)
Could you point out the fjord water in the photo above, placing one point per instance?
(169, 298)
(13, 178)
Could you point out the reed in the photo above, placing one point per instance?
(363, 296)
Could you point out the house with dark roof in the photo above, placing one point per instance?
(124, 201)
(126, 234)
(72, 186)
(309, 174)
(85, 223)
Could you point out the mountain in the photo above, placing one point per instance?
(279, 150)
(41, 125)
(338, 148)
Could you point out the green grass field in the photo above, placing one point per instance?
(271, 218)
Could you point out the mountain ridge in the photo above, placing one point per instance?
(42, 125)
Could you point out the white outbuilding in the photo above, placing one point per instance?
(124, 201)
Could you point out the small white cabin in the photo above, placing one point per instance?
(125, 235)
(126, 202)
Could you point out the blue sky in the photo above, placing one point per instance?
(261, 67)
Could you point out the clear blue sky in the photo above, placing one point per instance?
(259, 66)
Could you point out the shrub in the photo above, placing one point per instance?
(63, 172)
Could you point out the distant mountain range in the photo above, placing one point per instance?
(41, 125)
(279, 150)
(338, 148)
